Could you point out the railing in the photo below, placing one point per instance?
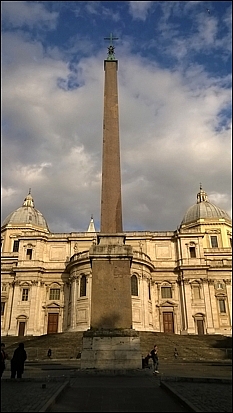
(219, 263)
(78, 255)
(9, 255)
(217, 250)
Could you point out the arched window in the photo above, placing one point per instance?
(83, 286)
(134, 285)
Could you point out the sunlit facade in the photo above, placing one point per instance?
(180, 280)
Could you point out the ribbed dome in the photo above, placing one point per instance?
(27, 214)
(204, 209)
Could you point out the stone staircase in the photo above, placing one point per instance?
(190, 348)
(69, 346)
(63, 345)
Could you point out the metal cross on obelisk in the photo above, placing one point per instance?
(111, 47)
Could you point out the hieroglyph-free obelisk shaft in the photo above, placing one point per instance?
(111, 259)
(111, 208)
(111, 343)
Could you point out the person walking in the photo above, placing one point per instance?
(3, 358)
(155, 359)
(175, 353)
(17, 361)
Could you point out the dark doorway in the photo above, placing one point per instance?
(200, 327)
(52, 323)
(21, 328)
(168, 323)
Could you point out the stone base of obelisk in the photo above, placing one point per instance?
(108, 349)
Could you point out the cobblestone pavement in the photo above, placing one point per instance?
(202, 396)
(28, 395)
(203, 387)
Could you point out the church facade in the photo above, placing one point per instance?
(181, 280)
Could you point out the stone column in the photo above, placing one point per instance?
(73, 322)
(188, 297)
(213, 303)
(229, 298)
(208, 308)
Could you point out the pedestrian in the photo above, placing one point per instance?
(155, 359)
(175, 353)
(49, 354)
(3, 358)
(17, 361)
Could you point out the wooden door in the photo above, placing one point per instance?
(168, 323)
(21, 328)
(52, 323)
(200, 327)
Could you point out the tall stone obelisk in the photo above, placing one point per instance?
(111, 206)
(111, 343)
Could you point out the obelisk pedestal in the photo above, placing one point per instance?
(111, 343)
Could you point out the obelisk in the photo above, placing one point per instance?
(111, 343)
(111, 206)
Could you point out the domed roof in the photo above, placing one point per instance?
(204, 209)
(27, 214)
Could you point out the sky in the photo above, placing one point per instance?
(174, 91)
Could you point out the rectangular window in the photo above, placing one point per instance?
(214, 241)
(2, 308)
(166, 292)
(3, 288)
(192, 251)
(25, 294)
(54, 294)
(16, 246)
(29, 254)
(222, 306)
(196, 292)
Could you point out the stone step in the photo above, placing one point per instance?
(69, 345)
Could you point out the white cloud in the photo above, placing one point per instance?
(139, 9)
(7, 192)
(171, 129)
(31, 173)
(31, 14)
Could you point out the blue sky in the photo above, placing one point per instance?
(174, 81)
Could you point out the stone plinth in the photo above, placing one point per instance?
(111, 305)
(108, 349)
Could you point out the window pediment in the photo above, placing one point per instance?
(52, 305)
(22, 317)
(168, 303)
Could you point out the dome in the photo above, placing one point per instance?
(204, 209)
(27, 214)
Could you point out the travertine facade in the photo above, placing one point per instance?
(180, 280)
